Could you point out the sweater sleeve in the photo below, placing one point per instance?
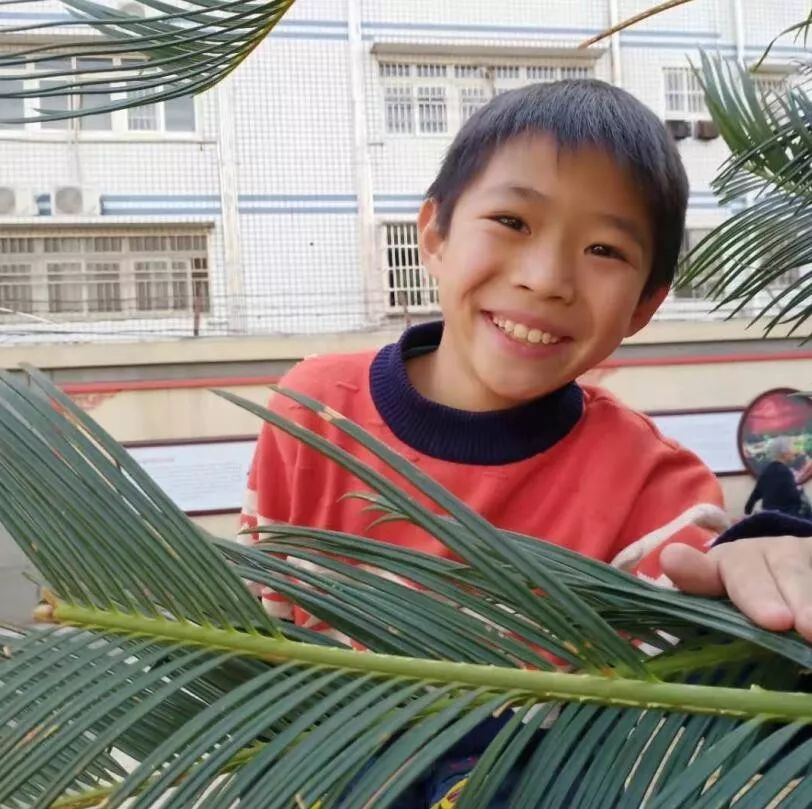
(680, 501)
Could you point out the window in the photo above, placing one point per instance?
(409, 287)
(15, 287)
(174, 115)
(97, 275)
(471, 99)
(431, 110)
(773, 89)
(399, 110)
(11, 107)
(691, 238)
(684, 97)
(434, 98)
(771, 84)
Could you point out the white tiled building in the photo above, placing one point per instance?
(283, 201)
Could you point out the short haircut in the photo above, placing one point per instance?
(578, 113)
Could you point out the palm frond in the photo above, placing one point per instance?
(763, 252)
(211, 703)
(171, 51)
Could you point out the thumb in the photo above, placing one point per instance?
(691, 570)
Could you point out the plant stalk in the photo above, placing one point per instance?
(643, 15)
(541, 685)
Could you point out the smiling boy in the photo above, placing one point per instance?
(553, 230)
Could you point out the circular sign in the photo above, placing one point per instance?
(777, 426)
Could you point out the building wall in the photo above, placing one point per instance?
(296, 188)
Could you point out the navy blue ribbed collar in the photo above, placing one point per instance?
(489, 438)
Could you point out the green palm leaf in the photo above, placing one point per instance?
(171, 51)
(769, 238)
(160, 677)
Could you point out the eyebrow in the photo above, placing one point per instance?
(628, 226)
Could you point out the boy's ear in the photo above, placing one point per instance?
(429, 240)
(646, 307)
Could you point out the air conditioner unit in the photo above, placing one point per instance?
(706, 130)
(73, 200)
(679, 129)
(16, 201)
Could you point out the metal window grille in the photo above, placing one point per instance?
(691, 238)
(409, 287)
(100, 275)
(576, 72)
(468, 72)
(433, 71)
(65, 287)
(773, 90)
(399, 109)
(543, 72)
(173, 115)
(683, 93)
(395, 70)
(507, 72)
(471, 99)
(142, 119)
(15, 288)
(162, 286)
(432, 112)
(103, 286)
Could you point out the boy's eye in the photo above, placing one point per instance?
(605, 251)
(512, 222)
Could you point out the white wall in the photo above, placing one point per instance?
(293, 162)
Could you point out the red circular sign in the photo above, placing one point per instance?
(782, 414)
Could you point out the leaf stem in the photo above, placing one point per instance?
(541, 685)
(643, 15)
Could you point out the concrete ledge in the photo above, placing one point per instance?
(288, 348)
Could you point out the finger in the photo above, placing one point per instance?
(691, 570)
(751, 586)
(791, 568)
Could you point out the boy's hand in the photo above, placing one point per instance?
(769, 579)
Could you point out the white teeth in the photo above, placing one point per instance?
(525, 334)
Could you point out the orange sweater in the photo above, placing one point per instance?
(612, 488)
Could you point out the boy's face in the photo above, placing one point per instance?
(540, 274)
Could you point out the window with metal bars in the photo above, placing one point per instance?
(92, 276)
(690, 239)
(436, 98)
(409, 287)
(44, 94)
(471, 99)
(684, 96)
(432, 113)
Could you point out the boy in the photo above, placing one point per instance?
(553, 229)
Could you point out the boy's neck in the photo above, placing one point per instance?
(441, 377)
(446, 428)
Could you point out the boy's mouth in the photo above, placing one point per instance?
(522, 333)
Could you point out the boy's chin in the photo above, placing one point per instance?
(515, 393)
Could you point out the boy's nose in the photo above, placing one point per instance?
(546, 273)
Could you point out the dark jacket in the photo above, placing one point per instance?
(777, 490)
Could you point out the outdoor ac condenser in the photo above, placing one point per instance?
(74, 200)
(16, 201)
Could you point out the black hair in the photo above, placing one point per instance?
(578, 113)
